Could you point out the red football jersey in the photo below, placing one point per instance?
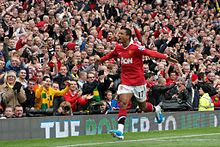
(131, 59)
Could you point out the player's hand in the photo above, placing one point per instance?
(97, 62)
(171, 59)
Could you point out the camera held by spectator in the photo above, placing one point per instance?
(97, 107)
(64, 109)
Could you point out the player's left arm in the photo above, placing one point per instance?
(155, 54)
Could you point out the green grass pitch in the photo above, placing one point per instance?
(199, 137)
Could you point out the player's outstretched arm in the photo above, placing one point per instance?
(170, 59)
(98, 62)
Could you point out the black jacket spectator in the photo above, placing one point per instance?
(30, 101)
(158, 93)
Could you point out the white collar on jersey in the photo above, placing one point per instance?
(131, 42)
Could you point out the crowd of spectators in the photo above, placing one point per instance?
(48, 50)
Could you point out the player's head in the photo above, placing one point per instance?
(124, 35)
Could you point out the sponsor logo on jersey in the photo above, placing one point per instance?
(126, 60)
(141, 48)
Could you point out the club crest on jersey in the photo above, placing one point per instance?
(129, 51)
(141, 48)
(126, 60)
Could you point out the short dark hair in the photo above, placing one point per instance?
(17, 106)
(128, 31)
(32, 80)
(45, 77)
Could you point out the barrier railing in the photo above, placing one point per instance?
(64, 126)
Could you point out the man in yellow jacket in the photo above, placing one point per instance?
(205, 102)
(44, 94)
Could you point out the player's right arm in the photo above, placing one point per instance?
(110, 55)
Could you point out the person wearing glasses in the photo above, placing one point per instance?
(96, 87)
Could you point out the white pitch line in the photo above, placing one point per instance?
(147, 139)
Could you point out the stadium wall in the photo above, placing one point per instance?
(58, 127)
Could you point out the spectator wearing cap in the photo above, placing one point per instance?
(13, 90)
(193, 92)
(205, 102)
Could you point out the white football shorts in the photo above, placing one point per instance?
(138, 91)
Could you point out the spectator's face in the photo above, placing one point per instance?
(31, 69)
(50, 41)
(46, 19)
(8, 112)
(83, 55)
(201, 92)
(11, 43)
(39, 76)
(31, 85)
(74, 70)
(63, 70)
(173, 76)
(2, 64)
(73, 86)
(209, 67)
(55, 86)
(47, 83)
(11, 80)
(179, 83)
(65, 25)
(114, 69)
(211, 76)
(89, 51)
(100, 49)
(109, 96)
(92, 60)
(186, 69)
(103, 107)
(77, 56)
(14, 61)
(7, 18)
(110, 35)
(91, 78)
(18, 111)
(92, 17)
(85, 63)
(35, 30)
(30, 41)
(57, 49)
(1, 32)
(146, 68)
(22, 74)
(77, 48)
